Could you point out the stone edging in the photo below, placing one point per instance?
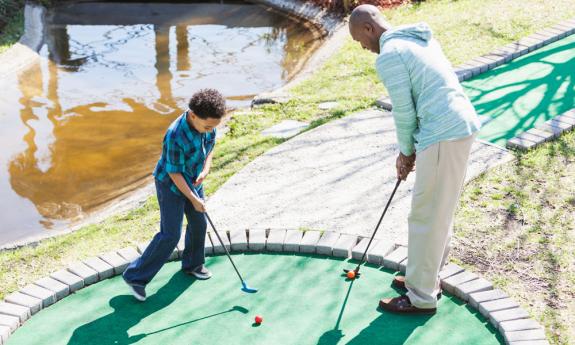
(544, 132)
(512, 321)
(320, 17)
(332, 26)
(515, 49)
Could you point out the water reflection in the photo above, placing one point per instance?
(84, 124)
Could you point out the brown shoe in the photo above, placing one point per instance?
(402, 304)
(399, 282)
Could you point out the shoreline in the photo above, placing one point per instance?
(334, 32)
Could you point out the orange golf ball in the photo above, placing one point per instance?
(351, 274)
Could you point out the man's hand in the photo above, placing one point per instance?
(199, 204)
(200, 178)
(404, 165)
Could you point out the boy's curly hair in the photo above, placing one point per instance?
(208, 103)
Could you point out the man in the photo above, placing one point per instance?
(435, 119)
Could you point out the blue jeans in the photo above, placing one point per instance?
(172, 210)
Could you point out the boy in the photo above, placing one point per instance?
(185, 162)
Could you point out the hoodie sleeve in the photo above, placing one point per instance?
(392, 71)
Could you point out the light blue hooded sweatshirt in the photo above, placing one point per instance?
(428, 102)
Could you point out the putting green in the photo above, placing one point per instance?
(525, 92)
(303, 300)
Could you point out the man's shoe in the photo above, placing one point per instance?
(402, 305)
(200, 272)
(399, 282)
(138, 291)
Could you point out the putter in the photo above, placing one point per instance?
(356, 270)
(245, 287)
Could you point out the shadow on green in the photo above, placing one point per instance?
(113, 328)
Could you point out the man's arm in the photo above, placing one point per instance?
(393, 73)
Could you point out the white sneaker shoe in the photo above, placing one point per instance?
(201, 272)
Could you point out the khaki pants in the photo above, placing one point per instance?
(440, 173)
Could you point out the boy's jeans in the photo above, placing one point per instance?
(172, 210)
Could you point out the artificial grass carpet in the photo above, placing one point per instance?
(303, 300)
(528, 91)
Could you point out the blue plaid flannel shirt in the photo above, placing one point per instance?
(184, 151)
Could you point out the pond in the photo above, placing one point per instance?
(83, 125)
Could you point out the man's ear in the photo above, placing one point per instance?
(367, 27)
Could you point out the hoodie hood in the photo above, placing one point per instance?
(420, 31)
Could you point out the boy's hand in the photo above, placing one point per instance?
(404, 165)
(200, 178)
(199, 204)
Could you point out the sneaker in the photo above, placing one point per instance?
(200, 272)
(138, 291)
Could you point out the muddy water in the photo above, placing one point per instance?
(84, 124)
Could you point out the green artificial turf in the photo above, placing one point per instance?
(303, 300)
(525, 92)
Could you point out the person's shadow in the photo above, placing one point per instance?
(113, 328)
(389, 329)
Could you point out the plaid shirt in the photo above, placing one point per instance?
(184, 151)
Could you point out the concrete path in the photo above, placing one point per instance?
(335, 177)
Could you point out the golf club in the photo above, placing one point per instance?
(245, 287)
(375, 231)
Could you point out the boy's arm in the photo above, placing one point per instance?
(205, 170)
(182, 185)
(174, 167)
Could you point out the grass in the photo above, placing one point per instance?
(465, 30)
(515, 226)
(11, 33)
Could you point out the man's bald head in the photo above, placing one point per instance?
(366, 25)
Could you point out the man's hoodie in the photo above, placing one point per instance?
(428, 102)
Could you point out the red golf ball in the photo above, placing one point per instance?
(259, 319)
(351, 274)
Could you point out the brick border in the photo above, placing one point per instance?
(512, 321)
(544, 132)
(513, 50)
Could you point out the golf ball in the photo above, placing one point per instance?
(351, 274)
(259, 319)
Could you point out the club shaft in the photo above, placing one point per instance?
(221, 242)
(223, 246)
(378, 223)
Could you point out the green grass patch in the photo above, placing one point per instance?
(524, 238)
(468, 28)
(12, 32)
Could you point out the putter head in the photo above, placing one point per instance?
(240, 309)
(248, 289)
